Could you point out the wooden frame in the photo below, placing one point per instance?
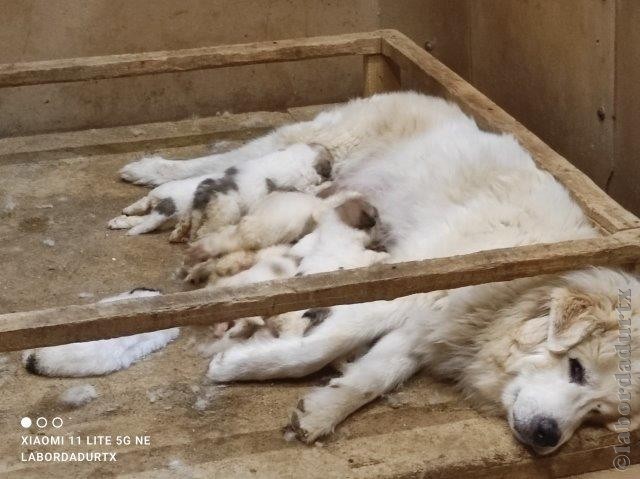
(386, 54)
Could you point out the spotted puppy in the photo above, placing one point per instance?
(222, 202)
(211, 201)
(167, 202)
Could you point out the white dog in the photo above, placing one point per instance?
(539, 350)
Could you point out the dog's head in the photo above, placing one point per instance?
(578, 360)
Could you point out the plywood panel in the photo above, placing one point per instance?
(550, 64)
(125, 101)
(625, 186)
(40, 30)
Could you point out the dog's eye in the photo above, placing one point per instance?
(576, 371)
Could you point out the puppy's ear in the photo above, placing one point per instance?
(571, 319)
(358, 213)
(327, 189)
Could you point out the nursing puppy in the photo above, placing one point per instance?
(345, 228)
(540, 351)
(206, 203)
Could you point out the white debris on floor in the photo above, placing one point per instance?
(181, 470)
(156, 393)
(49, 242)
(78, 396)
(7, 205)
(206, 396)
(7, 368)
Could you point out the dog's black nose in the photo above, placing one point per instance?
(545, 432)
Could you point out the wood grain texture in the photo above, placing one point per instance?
(135, 64)
(602, 209)
(382, 282)
(380, 75)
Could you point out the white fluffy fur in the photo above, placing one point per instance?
(143, 217)
(442, 187)
(78, 396)
(98, 357)
(332, 245)
(294, 167)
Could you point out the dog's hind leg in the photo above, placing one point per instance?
(155, 170)
(124, 222)
(140, 207)
(344, 329)
(151, 222)
(160, 214)
(389, 362)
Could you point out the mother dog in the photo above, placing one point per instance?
(540, 350)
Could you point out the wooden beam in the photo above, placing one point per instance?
(204, 307)
(380, 75)
(135, 64)
(601, 208)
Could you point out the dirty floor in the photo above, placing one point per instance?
(56, 194)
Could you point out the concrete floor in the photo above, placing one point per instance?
(56, 194)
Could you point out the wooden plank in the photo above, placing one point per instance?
(380, 75)
(135, 64)
(602, 209)
(203, 307)
(139, 137)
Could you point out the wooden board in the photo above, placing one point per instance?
(134, 64)
(386, 52)
(382, 282)
(601, 208)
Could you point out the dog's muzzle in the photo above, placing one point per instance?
(541, 431)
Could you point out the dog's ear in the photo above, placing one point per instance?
(358, 213)
(571, 319)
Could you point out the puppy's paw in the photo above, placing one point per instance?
(198, 252)
(200, 273)
(123, 222)
(235, 262)
(180, 232)
(151, 171)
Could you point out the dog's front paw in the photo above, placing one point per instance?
(307, 423)
(221, 370)
(152, 171)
